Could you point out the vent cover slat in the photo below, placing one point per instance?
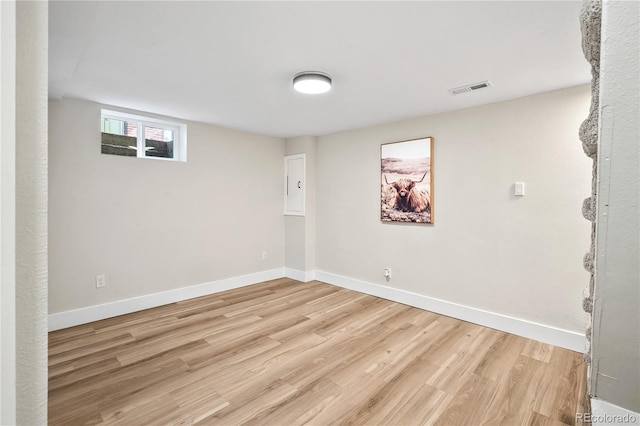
(470, 87)
(478, 86)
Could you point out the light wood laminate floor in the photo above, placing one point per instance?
(288, 353)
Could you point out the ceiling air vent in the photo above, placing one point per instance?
(470, 87)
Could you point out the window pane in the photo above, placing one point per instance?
(119, 137)
(158, 142)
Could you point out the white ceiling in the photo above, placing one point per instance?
(231, 63)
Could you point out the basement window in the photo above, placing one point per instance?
(143, 137)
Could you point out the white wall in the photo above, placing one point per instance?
(616, 315)
(153, 226)
(31, 212)
(23, 213)
(490, 250)
(8, 212)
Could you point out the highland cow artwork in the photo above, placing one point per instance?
(406, 181)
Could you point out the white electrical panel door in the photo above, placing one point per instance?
(294, 184)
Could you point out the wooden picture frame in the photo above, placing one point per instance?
(406, 181)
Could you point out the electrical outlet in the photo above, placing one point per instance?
(101, 281)
(264, 255)
(387, 273)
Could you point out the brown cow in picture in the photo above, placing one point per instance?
(410, 198)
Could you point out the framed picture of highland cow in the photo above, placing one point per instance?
(406, 181)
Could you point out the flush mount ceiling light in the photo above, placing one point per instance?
(312, 82)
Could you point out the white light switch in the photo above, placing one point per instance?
(519, 189)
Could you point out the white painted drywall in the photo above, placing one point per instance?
(153, 226)
(300, 230)
(488, 249)
(295, 242)
(616, 320)
(8, 213)
(31, 212)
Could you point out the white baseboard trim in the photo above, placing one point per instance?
(74, 317)
(555, 336)
(605, 413)
(547, 334)
(298, 275)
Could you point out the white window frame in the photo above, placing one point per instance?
(179, 133)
